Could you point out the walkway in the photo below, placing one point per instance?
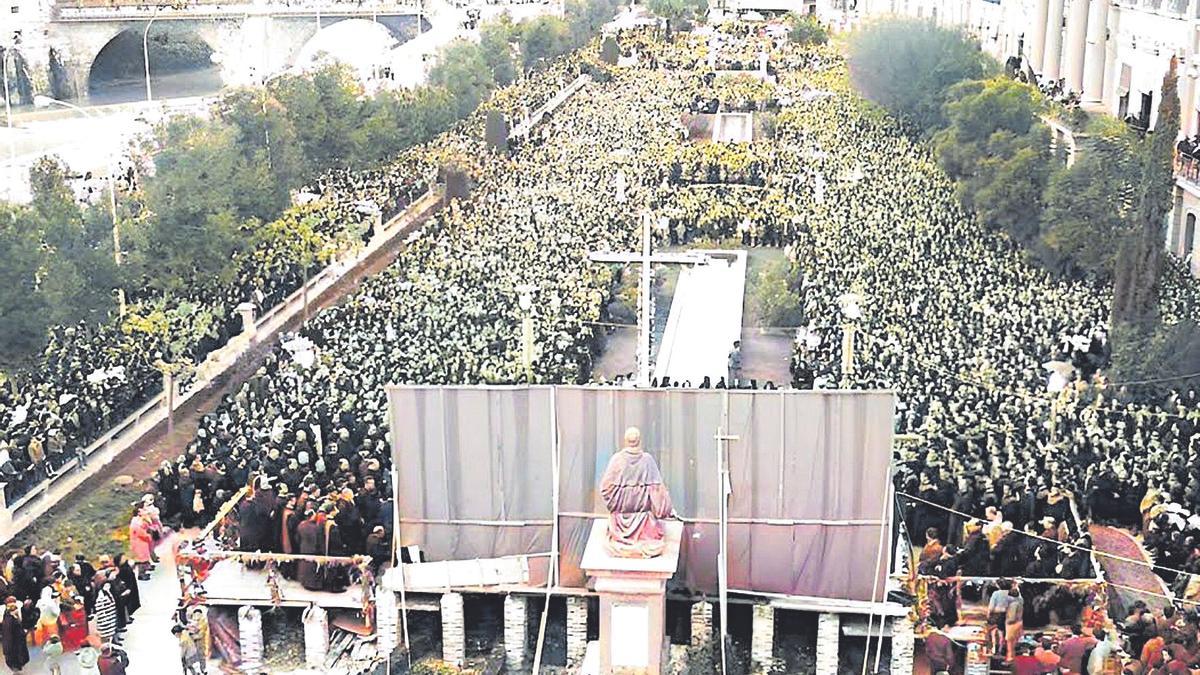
(1129, 581)
(151, 647)
(706, 318)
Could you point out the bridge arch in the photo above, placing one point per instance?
(181, 62)
(362, 42)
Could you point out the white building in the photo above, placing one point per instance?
(1113, 53)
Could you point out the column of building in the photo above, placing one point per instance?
(1075, 48)
(1054, 34)
(1096, 51)
(1037, 43)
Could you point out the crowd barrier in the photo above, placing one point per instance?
(24, 511)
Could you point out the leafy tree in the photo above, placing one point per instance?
(23, 317)
(585, 17)
(173, 326)
(997, 150)
(542, 39)
(908, 66)
(191, 229)
(1140, 263)
(668, 9)
(79, 273)
(774, 301)
(324, 108)
(1156, 357)
(807, 30)
(268, 144)
(464, 73)
(1088, 206)
(495, 38)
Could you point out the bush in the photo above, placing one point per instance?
(772, 299)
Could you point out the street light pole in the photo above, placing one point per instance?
(146, 53)
(45, 102)
(12, 139)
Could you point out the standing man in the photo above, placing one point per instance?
(1014, 622)
(735, 364)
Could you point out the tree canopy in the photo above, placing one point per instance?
(909, 65)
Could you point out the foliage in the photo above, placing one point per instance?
(436, 667)
(997, 150)
(267, 141)
(173, 325)
(542, 39)
(59, 266)
(464, 73)
(193, 228)
(23, 320)
(1140, 263)
(495, 41)
(1088, 205)
(678, 10)
(807, 30)
(1156, 351)
(908, 66)
(324, 108)
(773, 300)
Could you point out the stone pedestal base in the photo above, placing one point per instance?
(829, 629)
(516, 618)
(632, 602)
(454, 636)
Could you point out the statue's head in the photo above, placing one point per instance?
(633, 439)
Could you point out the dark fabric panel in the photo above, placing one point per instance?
(798, 455)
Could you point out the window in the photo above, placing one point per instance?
(1189, 235)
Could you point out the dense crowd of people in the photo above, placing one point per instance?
(90, 377)
(989, 353)
(76, 610)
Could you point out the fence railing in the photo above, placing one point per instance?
(23, 511)
(93, 10)
(1187, 168)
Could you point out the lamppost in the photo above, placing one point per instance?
(12, 139)
(146, 51)
(46, 102)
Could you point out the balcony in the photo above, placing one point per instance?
(1187, 168)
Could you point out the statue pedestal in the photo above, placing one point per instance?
(632, 602)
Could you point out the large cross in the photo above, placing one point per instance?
(646, 259)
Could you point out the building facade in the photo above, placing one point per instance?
(1113, 54)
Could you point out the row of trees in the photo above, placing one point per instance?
(1102, 218)
(220, 185)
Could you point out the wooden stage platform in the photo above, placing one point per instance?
(230, 583)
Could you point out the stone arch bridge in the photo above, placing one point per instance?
(249, 42)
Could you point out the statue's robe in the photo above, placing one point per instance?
(632, 488)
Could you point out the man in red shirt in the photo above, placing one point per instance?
(1072, 650)
(1025, 663)
(940, 650)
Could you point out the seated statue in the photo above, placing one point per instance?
(636, 498)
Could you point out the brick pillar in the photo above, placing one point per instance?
(701, 622)
(516, 619)
(762, 639)
(829, 628)
(454, 637)
(903, 645)
(577, 623)
(387, 619)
